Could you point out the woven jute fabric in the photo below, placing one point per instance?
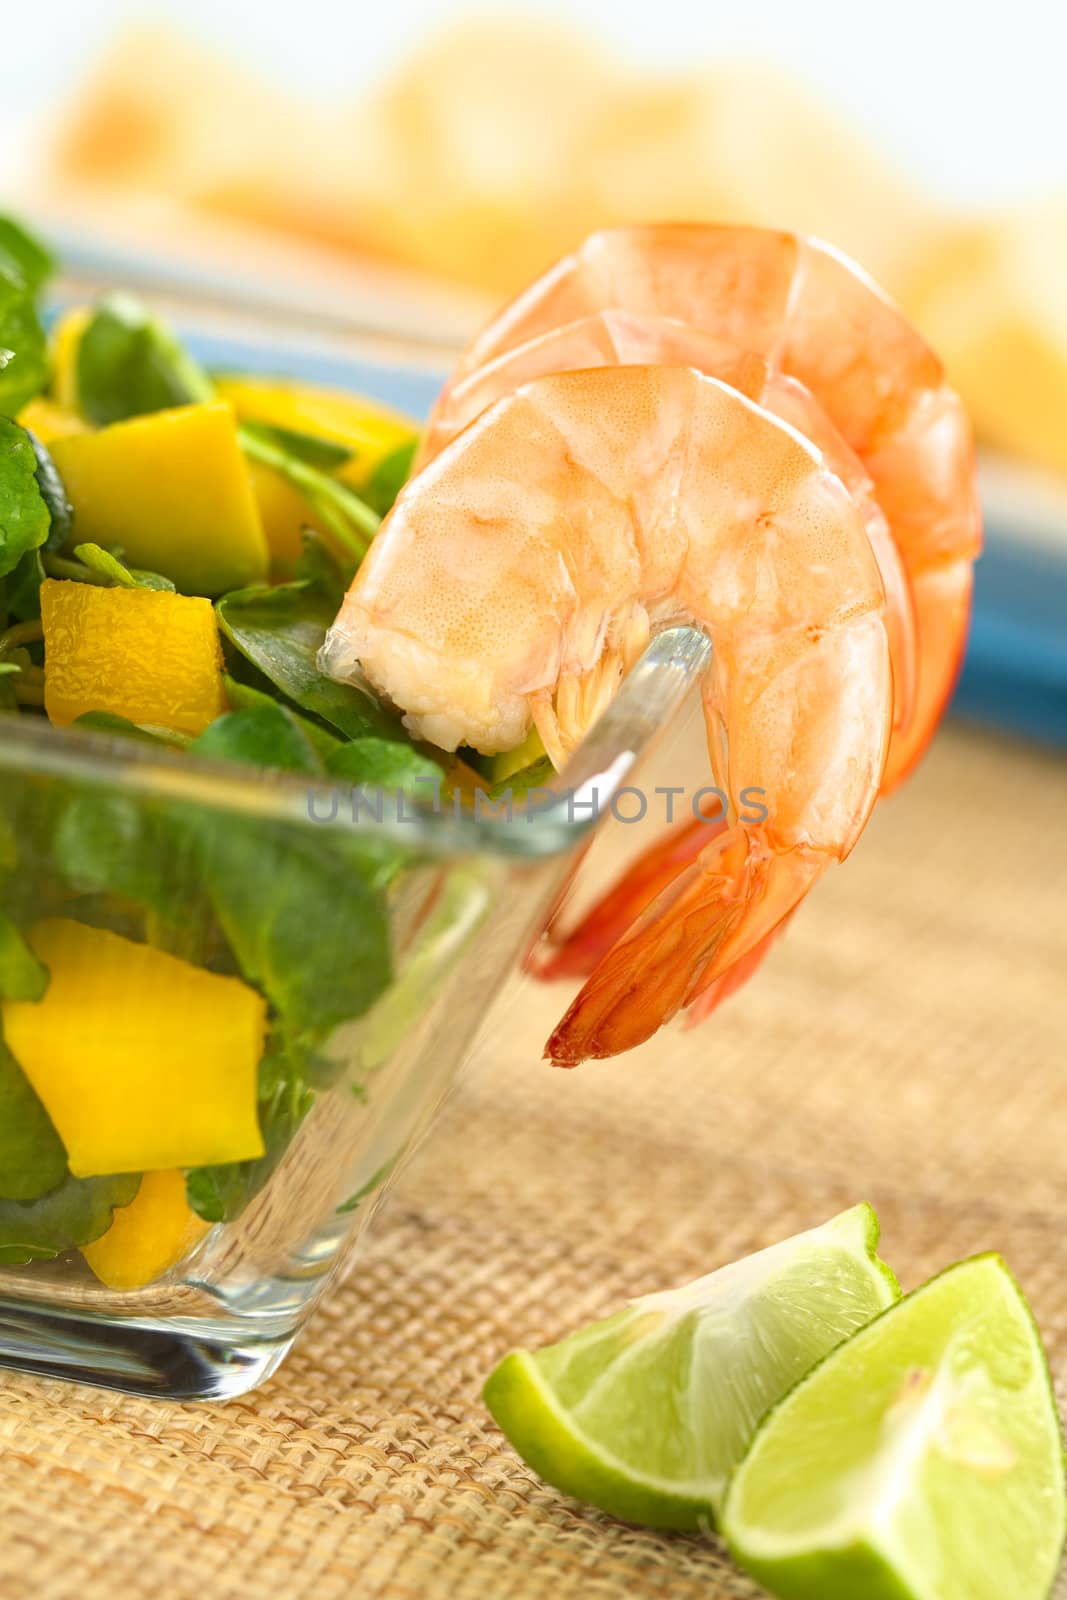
(907, 1043)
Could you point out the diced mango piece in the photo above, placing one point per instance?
(146, 654)
(142, 1061)
(50, 421)
(149, 1236)
(369, 430)
(172, 488)
(285, 514)
(66, 338)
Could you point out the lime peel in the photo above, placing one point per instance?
(922, 1460)
(646, 1413)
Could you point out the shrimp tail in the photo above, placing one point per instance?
(655, 969)
(709, 996)
(578, 953)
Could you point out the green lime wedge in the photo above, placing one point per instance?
(647, 1413)
(921, 1461)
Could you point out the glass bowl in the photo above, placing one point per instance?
(392, 1008)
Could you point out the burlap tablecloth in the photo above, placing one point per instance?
(907, 1043)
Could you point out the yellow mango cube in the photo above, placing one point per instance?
(144, 654)
(285, 514)
(371, 431)
(149, 1236)
(172, 488)
(49, 421)
(66, 341)
(142, 1061)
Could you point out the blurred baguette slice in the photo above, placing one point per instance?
(500, 145)
(172, 162)
(164, 116)
(462, 165)
(742, 142)
(492, 150)
(992, 299)
(469, 160)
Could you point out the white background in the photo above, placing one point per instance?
(973, 101)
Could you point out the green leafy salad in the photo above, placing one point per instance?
(173, 546)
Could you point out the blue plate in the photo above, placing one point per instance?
(1015, 673)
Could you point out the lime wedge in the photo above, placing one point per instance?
(647, 1413)
(921, 1461)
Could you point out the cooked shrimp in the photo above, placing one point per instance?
(620, 337)
(585, 946)
(578, 954)
(521, 573)
(623, 338)
(814, 316)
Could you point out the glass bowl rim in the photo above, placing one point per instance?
(647, 701)
(567, 809)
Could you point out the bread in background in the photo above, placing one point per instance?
(471, 160)
(492, 149)
(991, 295)
(496, 146)
(742, 142)
(163, 121)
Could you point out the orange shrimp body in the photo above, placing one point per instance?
(624, 338)
(520, 575)
(621, 337)
(730, 426)
(811, 314)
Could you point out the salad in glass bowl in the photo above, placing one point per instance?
(254, 904)
(200, 960)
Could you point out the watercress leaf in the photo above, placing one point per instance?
(265, 736)
(32, 260)
(246, 697)
(22, 976)
(152, 580)
(208, 1191)
(310, 448)
(24, 518)
(23, 348)
(281, 631)
(102, 562)
(23, 588)
(350, 521)
(32, 1158)
(388, 765)
(110, 722)
(269, 886)
(111, 843)
(106, 565)
(539, 774)
(76, 1212)
(318, 565)
(130, 363)
(12, 679)
(53, 494)
(459, 909)
(389, 477)
(378, 773)
(372, 1185)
